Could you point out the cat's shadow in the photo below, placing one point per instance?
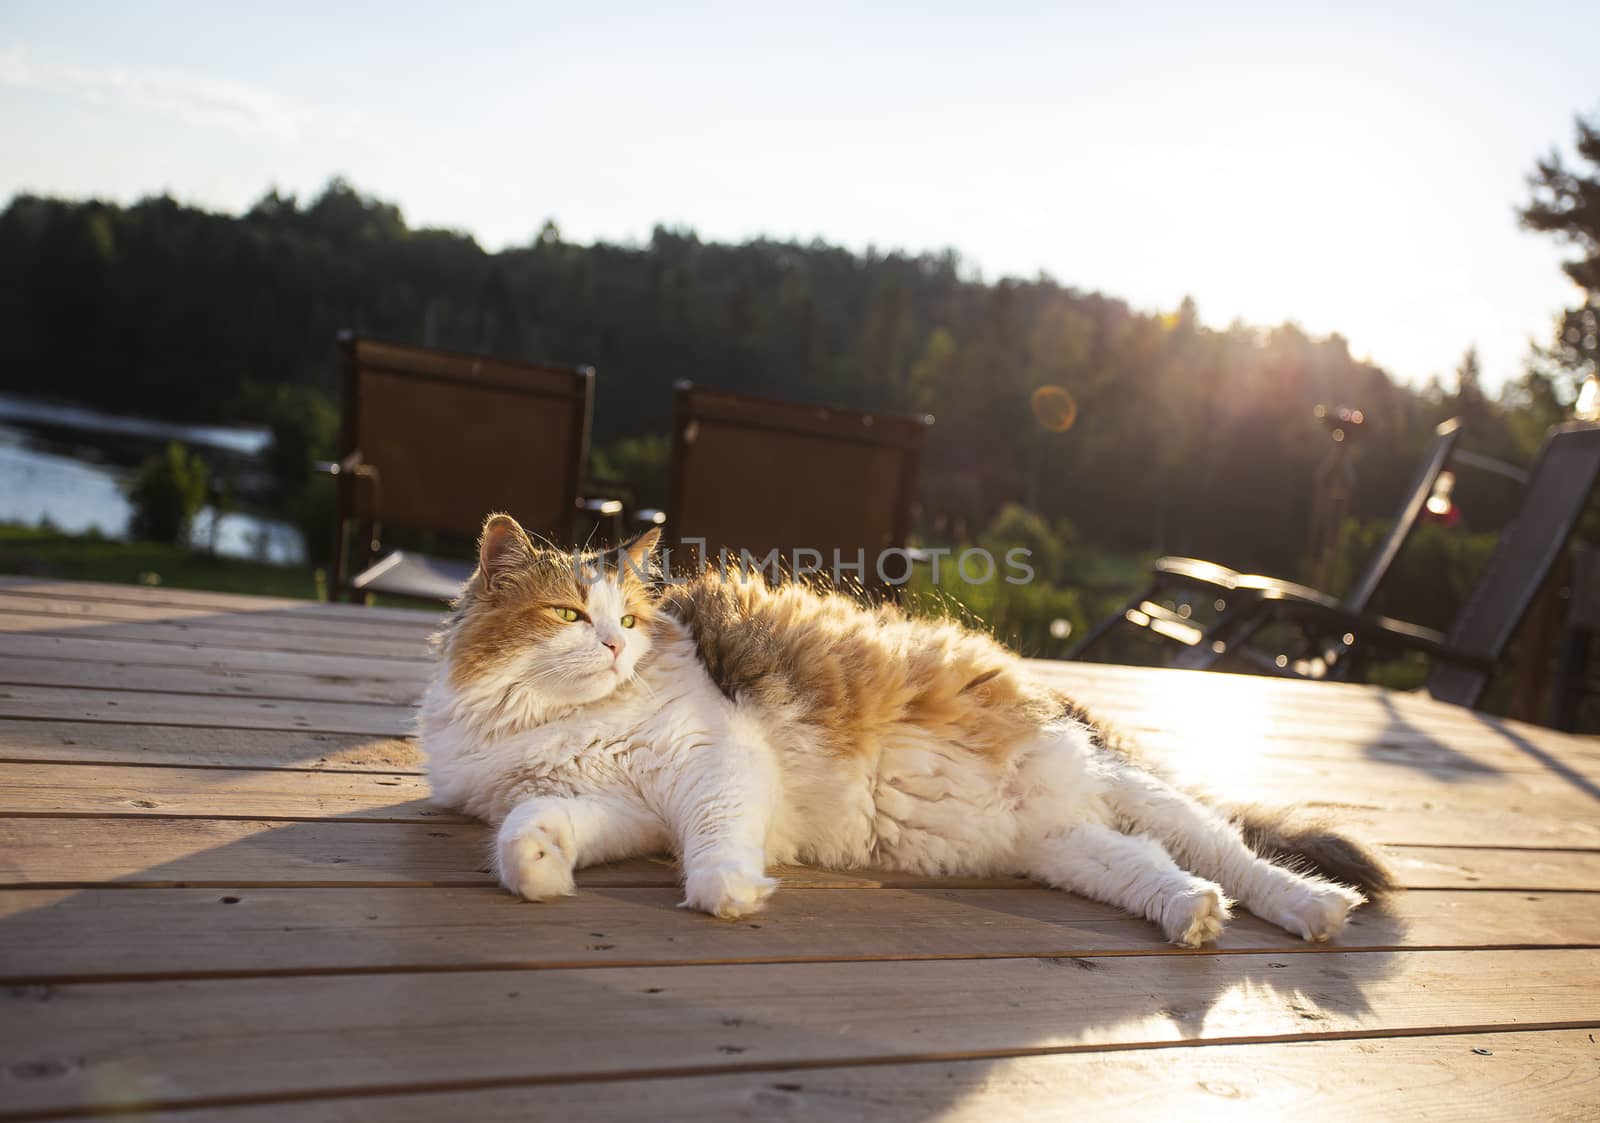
(526, 992)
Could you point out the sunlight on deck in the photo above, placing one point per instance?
(226, 892)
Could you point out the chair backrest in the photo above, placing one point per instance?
(452, 437)
(1557, 491)
(1366, 585)
(754, 474)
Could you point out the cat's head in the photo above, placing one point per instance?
(551, 627)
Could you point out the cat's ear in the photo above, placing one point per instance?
(503, 548)
(638, 552)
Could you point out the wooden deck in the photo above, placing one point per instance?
(224, 888)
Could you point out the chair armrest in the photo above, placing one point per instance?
(1383, 632)
(1199, 574)
(350, 465)
(1283, 590)
(598, 506)
(1194, 573)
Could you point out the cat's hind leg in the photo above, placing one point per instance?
(1134, 873)
(545, 838)
(1313, 908)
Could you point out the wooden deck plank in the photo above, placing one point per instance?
(61, 935)
(1550, 1075)
(223, 746)
(159, 852)
(151, 708)
(96, 743)
(1198, 699)
(1411, 813)
(1113, 681)
(1490, 867)
(1139, 687)
(336, 679)
(301, 620)
(1144, 685)
(355, 641)
(167, 1043)
(89, 651)
(60, 789)
(31, 670)
(1278, 714)
(201, 598)
(1351, 784)
(1237, 757)
(1374, 719)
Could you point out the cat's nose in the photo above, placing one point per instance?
(615, 645)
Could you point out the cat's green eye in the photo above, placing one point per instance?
(570, 615)
(628, 621)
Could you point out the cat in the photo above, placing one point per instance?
(593, 713)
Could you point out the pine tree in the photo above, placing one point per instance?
(1566, 203)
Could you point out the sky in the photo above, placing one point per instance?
(1351, 168)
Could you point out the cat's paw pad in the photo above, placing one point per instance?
(728, 892)
(1196, 916)
(535, 864)
(1321, 911)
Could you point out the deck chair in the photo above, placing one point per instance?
(433, 440)
(1237, 595)
(1578, 631)
(1554, 498)
(759, 475)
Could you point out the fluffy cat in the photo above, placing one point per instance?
(592, 715)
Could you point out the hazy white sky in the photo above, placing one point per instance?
(1354, 168)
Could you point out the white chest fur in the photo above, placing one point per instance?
(491, 746)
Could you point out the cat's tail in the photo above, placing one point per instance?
(1311, 844)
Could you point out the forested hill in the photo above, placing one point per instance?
(1186, 439)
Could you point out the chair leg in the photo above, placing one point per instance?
(366, 551)
(1536, 646)
(1571, 672)
(1242, 620)
(1110, 623)
(336, 563)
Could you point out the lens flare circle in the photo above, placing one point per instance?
(1054, 408)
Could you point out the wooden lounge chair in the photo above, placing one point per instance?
(433, 440)
(1237, 595)
(1578, 632)
(1558, 489)
(759, 475)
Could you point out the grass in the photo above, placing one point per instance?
(40, 552)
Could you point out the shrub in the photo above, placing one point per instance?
(1024, 616)
(167, 492)
(305, 427)
(1431, 577)
(639, 464)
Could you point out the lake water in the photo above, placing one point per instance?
(67, 465)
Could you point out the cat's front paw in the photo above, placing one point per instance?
(728, 892)
(1196, 917)
(535, 859)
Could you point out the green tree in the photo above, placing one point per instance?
(1188, 438)
(1566, 203)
